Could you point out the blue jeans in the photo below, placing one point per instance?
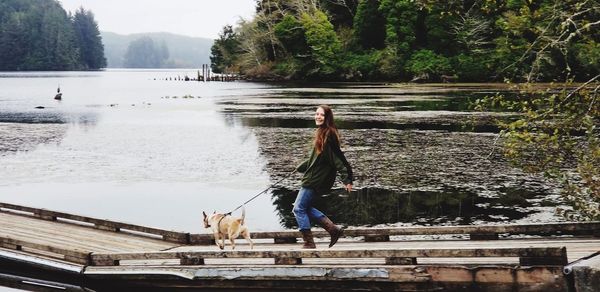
(303, 209)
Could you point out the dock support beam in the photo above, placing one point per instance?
(283, 240)
(10, 246)
(377, 238)
(400, 261)
(288, 261)
(191, 261)
(483, 236)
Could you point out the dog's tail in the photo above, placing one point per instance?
(243, 216)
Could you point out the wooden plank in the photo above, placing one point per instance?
(84, 243)
(44, 214)
(73, 236)
(53, 249)
(400, 261)
(377, 238)
(65, 240)
(345, 278)
(543, 261)
(191, 261)
(287, 261)
(10, 222)
(283, 240)
(77, 256)
(362, 253)
(9, 245)
(483, 236)
(479, 232)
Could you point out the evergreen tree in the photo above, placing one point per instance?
(53, 45)
(89, 40)
(13, 41)
(224, 52)
(40, 35)
(369, 25)
(400, 31)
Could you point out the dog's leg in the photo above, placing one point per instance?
(246, 235)
(232, 237)
(217, 237)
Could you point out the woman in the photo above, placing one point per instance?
(319, 170)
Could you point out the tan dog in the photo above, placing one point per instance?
(223, 224)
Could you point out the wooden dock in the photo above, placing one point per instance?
(105, 255)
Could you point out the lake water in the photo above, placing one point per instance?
(131, 146)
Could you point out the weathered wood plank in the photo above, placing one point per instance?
(530, 278)
(44, 214)
(480, 232)
(10, 245)
(66, 240)
(73, 236)
(191, 261)
(77, 256)
(548, 252)
(377, 238)
(483, 236)
(543, 261)
(400, 261)
(346, 278)
(287, 261)
(53, 249)
(282, 240)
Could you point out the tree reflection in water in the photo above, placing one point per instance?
(372, 206)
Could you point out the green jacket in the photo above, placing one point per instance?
(320, 169)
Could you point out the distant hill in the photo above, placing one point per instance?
(184, 51)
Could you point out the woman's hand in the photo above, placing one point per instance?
(348, 187)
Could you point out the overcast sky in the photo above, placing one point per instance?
(198, 18)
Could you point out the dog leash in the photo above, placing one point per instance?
(264, 191)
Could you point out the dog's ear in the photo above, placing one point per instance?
(203, 213)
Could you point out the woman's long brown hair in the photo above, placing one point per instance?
(326, 130)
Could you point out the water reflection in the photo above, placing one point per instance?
(461, 102)
(373, 109)
(453, 103)
(373, 206)
(455, 126)
(25, 130)
(47, 116)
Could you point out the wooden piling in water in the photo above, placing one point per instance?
(205, 75)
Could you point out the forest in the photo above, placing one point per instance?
(418, 40)
(41, 35)
(522, 43)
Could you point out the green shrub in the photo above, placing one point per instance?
(363, 66)
(428, 63)
(472, 68)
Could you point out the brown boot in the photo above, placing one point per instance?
(309, 242)
(334, 231)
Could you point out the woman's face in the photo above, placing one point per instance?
(319, 116)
